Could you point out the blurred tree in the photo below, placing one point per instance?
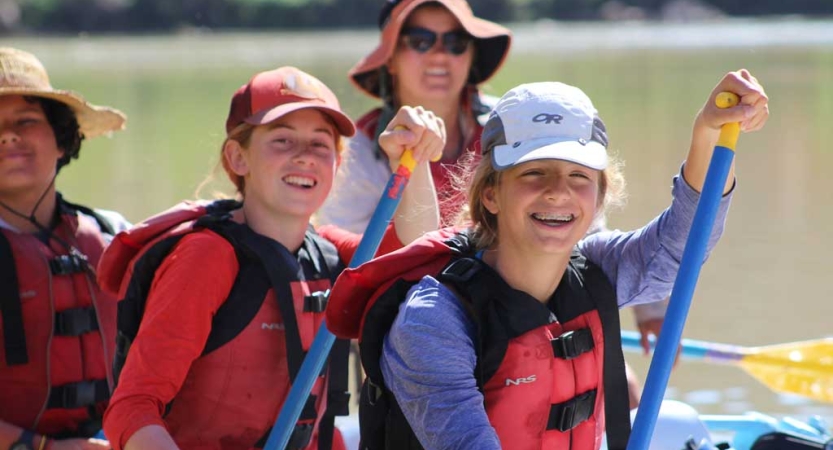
(102, 16)
(500, 11)
(569, 9)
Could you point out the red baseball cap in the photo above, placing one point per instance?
(273, 94)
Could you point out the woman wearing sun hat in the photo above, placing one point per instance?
(58, 327)
(434, 54)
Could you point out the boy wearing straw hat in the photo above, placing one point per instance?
(58, 327)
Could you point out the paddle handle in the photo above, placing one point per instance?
(683, 291)
(323, 342)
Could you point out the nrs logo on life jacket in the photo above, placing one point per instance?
(518, 381)
(576, 362)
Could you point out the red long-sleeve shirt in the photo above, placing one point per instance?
(189, 286)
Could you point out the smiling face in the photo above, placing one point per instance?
(435, 75)
(28, 151)
(543, 206)
(289, 164)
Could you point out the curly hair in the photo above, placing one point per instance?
(64, 125)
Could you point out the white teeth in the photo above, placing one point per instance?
(553, 217)
(299, 181)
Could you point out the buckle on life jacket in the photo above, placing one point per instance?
(568, 415)
(68, 264)
(338, 402)
(573, 343)
(75, 321)
(77, 395)
(373, 392)
(85, 429)
(460, 270)
(302, 433)
(317, 301)
(301, 436)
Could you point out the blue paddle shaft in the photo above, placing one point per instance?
(323, 342)
(681, 295)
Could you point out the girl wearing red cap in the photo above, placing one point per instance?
(505, 335)
(229, 295)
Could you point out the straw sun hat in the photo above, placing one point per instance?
(21, 73)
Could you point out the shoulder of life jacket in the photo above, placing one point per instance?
(42, 284)
(134, 256)
(448, 258)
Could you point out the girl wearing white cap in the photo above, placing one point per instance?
(505, 334)
(436, 54)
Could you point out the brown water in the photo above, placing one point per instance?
(766, 283)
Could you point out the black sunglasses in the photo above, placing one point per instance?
(422, 40)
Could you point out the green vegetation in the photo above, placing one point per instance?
(141, 16)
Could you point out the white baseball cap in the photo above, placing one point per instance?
(547, 120)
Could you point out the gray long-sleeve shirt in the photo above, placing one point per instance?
(441, 401)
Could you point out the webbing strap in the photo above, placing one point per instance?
(76, 321)
(282, 268)
(567, 415)
(77, 395)
(11, 310)
(617, 412)
(316, 302)
(68, 264)
(573, 343)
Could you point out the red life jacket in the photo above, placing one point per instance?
(58, 327)
(567, 351)
(273, 290)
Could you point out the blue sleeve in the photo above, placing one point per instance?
(428, 362)
(642, 264)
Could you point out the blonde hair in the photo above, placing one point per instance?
(484, 224)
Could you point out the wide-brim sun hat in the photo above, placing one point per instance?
(492, 42)
(21, 73)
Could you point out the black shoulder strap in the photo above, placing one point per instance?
(473, 287)
(617, 415)
(11, 310)
(322, 250)
(102, 222)
(338, 394)
(381, 422)
(463, 275)
(131, 308)
(281, 268)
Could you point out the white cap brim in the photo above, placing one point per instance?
(591, 154)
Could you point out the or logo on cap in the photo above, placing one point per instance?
(548, 118)
(302, 85)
